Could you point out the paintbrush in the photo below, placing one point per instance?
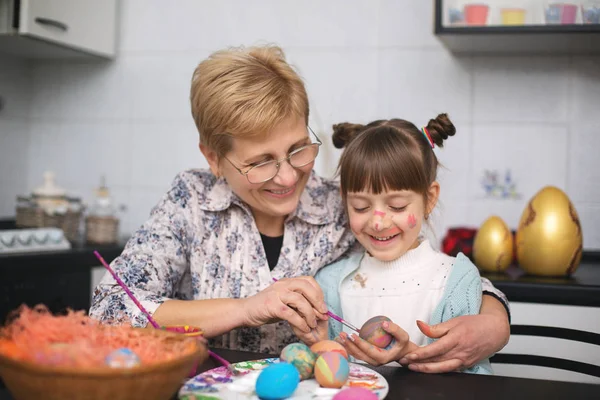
(147, 314)
(337, 318)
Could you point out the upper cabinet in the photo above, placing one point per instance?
(519, 26)
(58, 28)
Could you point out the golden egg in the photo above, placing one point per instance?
(493, 246)
(549, 239)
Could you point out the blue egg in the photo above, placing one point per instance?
(122, 358)
(277, 381)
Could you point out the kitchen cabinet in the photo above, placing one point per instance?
(527, 27)
(59, 28)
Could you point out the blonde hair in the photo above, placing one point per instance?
(244, 92)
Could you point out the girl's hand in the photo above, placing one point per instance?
(463, 341)
(317, 334)
(365, 351)
(295, 300)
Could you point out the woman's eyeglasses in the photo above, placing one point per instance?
(267, 170)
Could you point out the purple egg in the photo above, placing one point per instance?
(372, 332)
(355, 393)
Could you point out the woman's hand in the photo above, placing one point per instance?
(363, 350)
(299, 301)
(463, 341)
(321, 332)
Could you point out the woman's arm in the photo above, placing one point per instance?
(297, 300)
(463, 341)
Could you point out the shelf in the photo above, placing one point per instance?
(526, 39)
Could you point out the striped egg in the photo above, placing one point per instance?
(331, 370)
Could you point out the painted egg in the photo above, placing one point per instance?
(122, 358)
(301, 357)
(549, 238)
(493, 246)
(329, 345)
(355, 393)
(277, 381)
(331, 370)
(372, 332)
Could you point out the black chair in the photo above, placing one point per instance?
(551, 362)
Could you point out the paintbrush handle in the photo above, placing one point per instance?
(337, 318)
(220, 359)
(343, 321)
(126, 289)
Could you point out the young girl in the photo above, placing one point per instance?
(388, 183)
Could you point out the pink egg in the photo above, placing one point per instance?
(329, 345)
(355, 393)
(372, 332)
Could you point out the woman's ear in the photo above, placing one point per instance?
(212, 159)
(433, 194)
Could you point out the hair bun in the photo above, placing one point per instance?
(344, 133)
(440, 129)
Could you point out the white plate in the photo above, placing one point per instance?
(218, 383)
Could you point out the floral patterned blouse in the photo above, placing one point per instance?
(201, 242)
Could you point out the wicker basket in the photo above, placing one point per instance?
(101, 230)
(27, 381)
(30, 217)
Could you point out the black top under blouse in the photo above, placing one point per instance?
(272, 247)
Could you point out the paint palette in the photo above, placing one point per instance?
(219, 383)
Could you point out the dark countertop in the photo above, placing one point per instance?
(80, 255)
(406, 384)
(580, 289)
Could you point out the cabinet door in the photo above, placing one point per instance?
(88, 25)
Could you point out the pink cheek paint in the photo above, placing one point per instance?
(412, 221)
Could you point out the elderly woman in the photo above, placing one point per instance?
(212, 246)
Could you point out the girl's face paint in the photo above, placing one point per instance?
(411, 221)
(386, 224)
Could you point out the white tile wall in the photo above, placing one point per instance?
(520, 89)
(419, 84)
(365, 59)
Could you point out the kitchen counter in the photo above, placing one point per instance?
(59, 279)
(580, 289)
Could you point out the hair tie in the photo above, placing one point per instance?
(425, 132)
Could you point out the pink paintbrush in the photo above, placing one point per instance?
(339, 319)
(147, 314)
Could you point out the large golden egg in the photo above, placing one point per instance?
(549, 240)
(493, 246)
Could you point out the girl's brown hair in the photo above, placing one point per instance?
(389, 155)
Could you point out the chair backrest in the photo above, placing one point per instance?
(568, 336)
